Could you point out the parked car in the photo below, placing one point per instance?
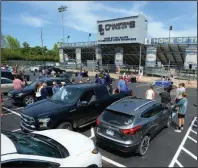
(6, 85)
(7, 74)
(27, 94)
(57, 70)
(41, 67)
(74, 106)
(129, 124)
(49, 149)
(34, 68)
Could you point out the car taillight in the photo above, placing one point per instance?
(98, 121)
(131, 131)
(131, 93)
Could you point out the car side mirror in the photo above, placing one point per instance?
(84, 103)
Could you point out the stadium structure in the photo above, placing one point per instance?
(124, 41)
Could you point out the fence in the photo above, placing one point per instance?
(179, 72)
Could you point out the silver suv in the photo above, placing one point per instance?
(129, 124)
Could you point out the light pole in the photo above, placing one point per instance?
(89, 36)
(140, 59)
(170, 28)
(62, 9)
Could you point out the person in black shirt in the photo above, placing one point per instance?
(165, 97)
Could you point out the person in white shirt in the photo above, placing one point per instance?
(180, 89)
(150, 94)
(38, 91)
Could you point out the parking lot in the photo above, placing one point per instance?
(168, 148)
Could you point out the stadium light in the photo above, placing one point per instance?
(170, 28)
(61, 10)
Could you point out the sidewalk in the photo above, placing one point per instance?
(191, 84)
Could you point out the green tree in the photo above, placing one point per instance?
(12, 43)
(26, 48)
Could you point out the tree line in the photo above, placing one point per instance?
(11, 49)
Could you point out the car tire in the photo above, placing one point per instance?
(143, 146)
(65, 125)
(28, 100)
(168, 122)
(92, 166)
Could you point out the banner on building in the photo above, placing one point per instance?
(122, 30)
(174, 40)
(151, 56)
(78, 55)
(119, 56)
(61, 55)
(191, 57)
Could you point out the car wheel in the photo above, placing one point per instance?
(168, 122)
(93, 166)
(144, 145)
(28, 100)
(65, 125)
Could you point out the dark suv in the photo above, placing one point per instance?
(27, 94)
(129, 124)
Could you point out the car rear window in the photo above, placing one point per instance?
(117, 118)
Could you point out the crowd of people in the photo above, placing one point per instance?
(180, 101)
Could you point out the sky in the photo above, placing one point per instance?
(24, 19)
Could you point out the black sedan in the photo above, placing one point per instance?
(27, 94)
(129, 124)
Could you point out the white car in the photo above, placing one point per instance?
(50, 148)
(34, 68)
(6, 85)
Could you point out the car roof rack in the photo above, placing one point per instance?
(143, 105)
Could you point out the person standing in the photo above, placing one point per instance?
(98, 79)
(55, 87)
(38, 91)
(150, 94)
(180, 89)
(165, 97)
(121, 86)
(182, 108)
(44, 92)
(62, 85)
(18, 84)
(107, 79)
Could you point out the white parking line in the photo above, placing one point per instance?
(92, 133)
(112, 162)
(194, 125)
(19, 108)
(14, 112)
(190, 153)
(178, 163)
(194, 132)
(182, 144)
(16, 130)
(192, 139)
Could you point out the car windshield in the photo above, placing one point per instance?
(67, 95)
(117, 118)
(34, 144)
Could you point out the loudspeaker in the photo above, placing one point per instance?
(190, 66)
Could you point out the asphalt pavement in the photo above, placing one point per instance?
(168, 148)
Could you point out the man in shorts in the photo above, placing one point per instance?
(182, 107)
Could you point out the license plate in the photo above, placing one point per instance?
(109, 132)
